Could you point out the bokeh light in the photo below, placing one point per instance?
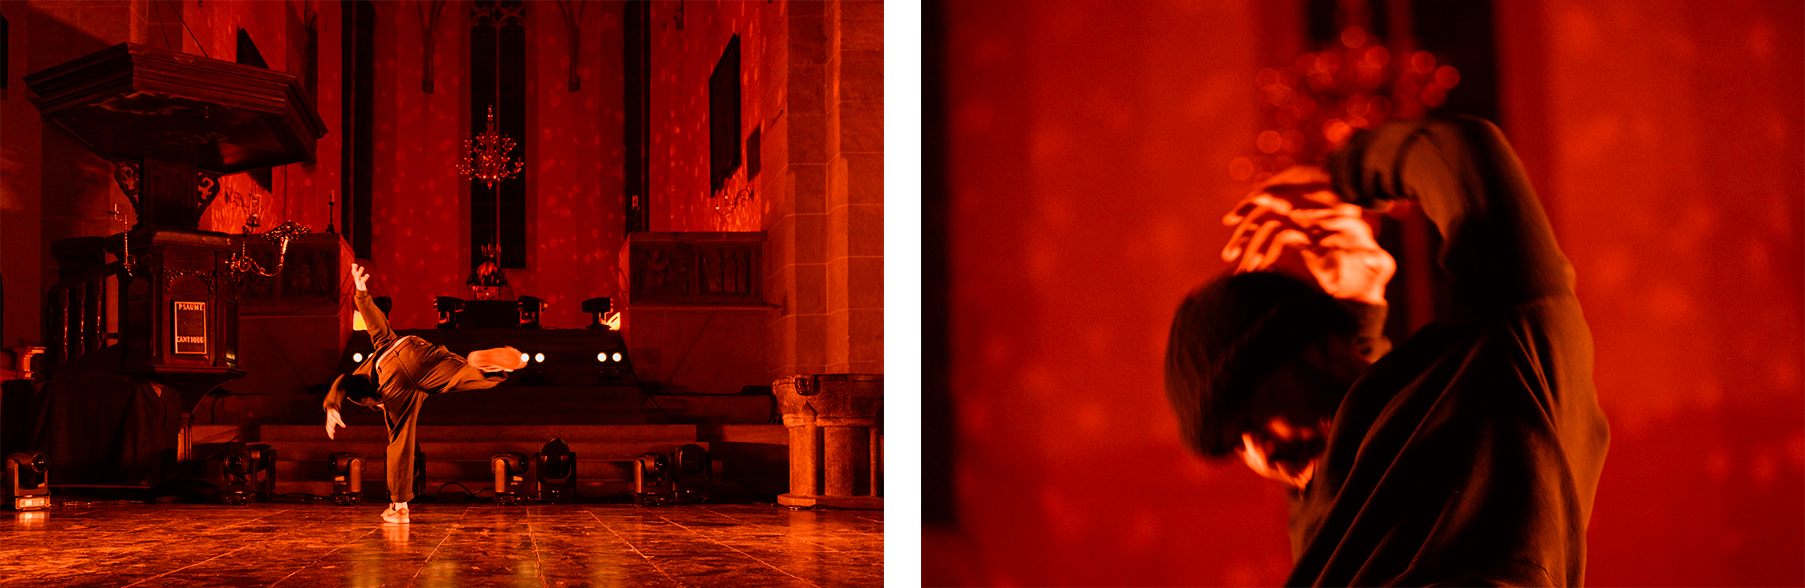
(1323, 97)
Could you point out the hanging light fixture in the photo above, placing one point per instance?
(488, 158)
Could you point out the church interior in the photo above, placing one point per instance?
(673, 211)
(1079, 158)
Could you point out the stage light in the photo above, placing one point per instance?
(248, 474)
(525, 358)
(617, 357)
(692, 473)
(510, 471)
(530, 306)
(28, 481)
(556, 470)
(651, 479)
(539, 358)
(602, 357)
(596, 307)
(448, 308)
(357, 357)
(347, 477)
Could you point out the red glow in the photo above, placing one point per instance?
(1695, 303)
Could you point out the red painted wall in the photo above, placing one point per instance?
(22, 251)
(1089, 150)
(687, 41)
(574, 187)
(1673, 166)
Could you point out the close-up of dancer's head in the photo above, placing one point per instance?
(353, 387)
(1256, 364)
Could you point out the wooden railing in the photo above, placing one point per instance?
(75, 315)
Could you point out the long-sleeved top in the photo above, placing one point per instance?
(1470, 454)
(401, 366)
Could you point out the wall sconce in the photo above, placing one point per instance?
(241, 263)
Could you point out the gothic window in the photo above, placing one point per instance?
(724, 116)
(498, 32)
(248, 55)
(5, 52)
(637, 17)
(358, 108)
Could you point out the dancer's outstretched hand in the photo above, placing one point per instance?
(333, 421)
(360, 276)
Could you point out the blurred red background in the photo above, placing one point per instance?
(1087, 149)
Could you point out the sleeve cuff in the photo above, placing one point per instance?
(1370, 339)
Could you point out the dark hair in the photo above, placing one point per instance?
(1229, 335)
(358, 386)
(349, 386)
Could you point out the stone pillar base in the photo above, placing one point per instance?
(858, 502)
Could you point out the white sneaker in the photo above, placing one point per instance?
(395, 516)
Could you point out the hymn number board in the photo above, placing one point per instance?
(190, 327)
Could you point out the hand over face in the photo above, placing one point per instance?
(1334, 243)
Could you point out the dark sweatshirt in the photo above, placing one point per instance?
(1469, 455)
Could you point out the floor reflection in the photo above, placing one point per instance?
(396, 535)
(452, 545)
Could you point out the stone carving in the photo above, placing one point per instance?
(694, 268)
(666, 273)
(726, 272)
(126, 173)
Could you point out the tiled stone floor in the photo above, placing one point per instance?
(445, 545)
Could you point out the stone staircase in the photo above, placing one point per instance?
(752, 459)
(603, 412)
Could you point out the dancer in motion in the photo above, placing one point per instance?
(1467, 456)
(397, 378)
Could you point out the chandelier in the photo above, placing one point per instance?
(1317, 103)
(488, 156)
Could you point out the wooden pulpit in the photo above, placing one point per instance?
(171, 123)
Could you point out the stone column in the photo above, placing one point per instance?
(835, 453)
